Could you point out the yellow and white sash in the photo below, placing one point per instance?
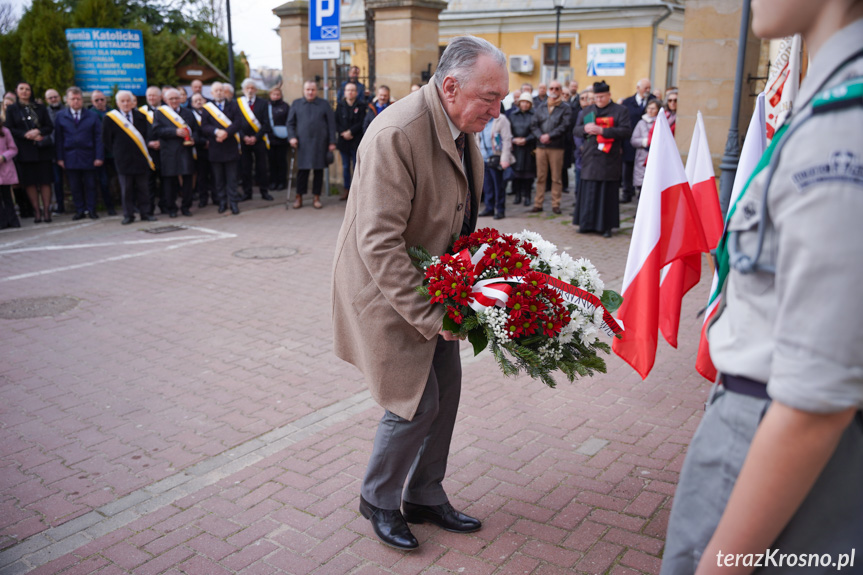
(178, 121)
(220, 117)
(145, 109)
(197, 116)
(133, 133)
(251, 119)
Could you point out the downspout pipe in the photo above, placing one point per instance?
(655, 26)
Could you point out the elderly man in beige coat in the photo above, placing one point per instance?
(412, 187)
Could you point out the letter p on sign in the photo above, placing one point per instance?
(322, 12)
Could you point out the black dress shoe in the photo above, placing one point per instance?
(172, 214)
(223, 208)
(499, 216)
(606, 234)
(94, 216)
(266, 195)
(149, 218)
(246, 197)
(444, 516)
(186, 212)
(389, 525)
(485, 213)
(235, 209)
(625, 198)
(78, 216)
(202, 204)
(128, 220)
(112, 212)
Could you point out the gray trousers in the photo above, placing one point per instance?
(830, 520)
(417, 450)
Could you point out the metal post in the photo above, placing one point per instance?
(731, 157)
(557, 40)
(230, 46)
(327, 100)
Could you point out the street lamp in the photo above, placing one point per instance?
(558, 7)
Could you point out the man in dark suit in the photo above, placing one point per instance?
(177, 130)
(220, 124)
(78, 140)
(154, 187)
(635, 105)
(255, 132)
(123, 133)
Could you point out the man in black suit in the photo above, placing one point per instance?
(635, 105)
(154, 100)
(255, 131)
(177, 130)
(123, 133)
(220, 124)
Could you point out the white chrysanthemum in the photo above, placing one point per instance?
(528, 236)
(563, 267)
(587, 278)
(588, 334)
(545, 249)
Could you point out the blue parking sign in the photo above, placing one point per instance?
(324, 25)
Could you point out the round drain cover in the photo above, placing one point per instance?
(30, 307)
(266, 253)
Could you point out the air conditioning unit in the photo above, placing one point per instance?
(521, 64)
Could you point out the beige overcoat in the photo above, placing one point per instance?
(408, 189)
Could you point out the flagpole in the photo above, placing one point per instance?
(731, 157)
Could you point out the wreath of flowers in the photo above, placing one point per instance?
(537, 310)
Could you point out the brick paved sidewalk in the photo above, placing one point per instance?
(188, 415)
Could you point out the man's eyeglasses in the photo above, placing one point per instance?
(672, 99)
(552, 88)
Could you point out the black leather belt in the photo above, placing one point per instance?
(745, 386)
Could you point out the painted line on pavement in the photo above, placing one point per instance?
(184, 241)
(50, 544)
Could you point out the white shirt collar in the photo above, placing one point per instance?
(452, 127)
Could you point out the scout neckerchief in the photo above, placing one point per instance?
(145, 109)
(178, 121)
(251, 119)
(220, 117)
(133, 133)
(722, 259)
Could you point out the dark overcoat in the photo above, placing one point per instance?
(596, 164)
(177, 159)
(279, 110)
(522, 124)
(128, 158)
(635, 113)
(20, 120)
(350, 118)
(227, 151)
(78, 146)
(314, 125)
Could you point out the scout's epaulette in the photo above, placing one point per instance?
(847, 95)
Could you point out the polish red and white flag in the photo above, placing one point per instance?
(753, 148)
(682, 275)
(667, 228)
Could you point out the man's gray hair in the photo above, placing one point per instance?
(248, 82)
(461, 55)
(74, 90)
(123, 94)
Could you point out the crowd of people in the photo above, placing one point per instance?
(177, 148)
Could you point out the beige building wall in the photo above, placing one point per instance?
(709, 61)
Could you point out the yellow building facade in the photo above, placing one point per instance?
(644, 40)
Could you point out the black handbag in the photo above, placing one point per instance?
(493, 162)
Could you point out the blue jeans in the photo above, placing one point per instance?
(493, 192)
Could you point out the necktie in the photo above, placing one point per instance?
(129, 116)
(221, 105)
(76, 118)
(459, 145)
